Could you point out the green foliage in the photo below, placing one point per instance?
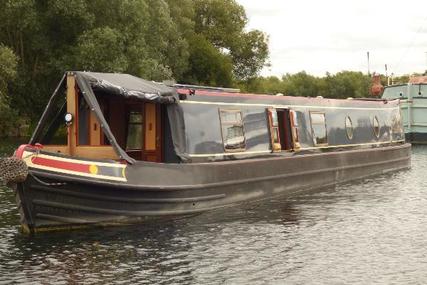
(222, 23)
(301, 84)
(8, 65)
(101, 49)
(191, 41)
(341, 85)
(207, 64)
(250, 54)
(401, 79)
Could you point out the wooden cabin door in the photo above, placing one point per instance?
(144, 132)
(152, 133)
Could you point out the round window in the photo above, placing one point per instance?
(349, 127)
(376, 127)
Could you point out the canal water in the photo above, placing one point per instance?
(372, 231)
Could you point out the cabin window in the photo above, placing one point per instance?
(274, 130)
(349, 127)
(376, 127)
(318, 127)
(134, 134)
(233, 135)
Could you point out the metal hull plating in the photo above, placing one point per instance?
(413, 108)
(49, 200)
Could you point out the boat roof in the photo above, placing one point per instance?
(278, 100)
(128, 86)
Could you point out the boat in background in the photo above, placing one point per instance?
(413, 98)
(113, 148)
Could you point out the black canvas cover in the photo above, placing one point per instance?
(127, 86)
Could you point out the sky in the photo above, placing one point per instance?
(332, 36)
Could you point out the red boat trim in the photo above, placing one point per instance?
(61, 164)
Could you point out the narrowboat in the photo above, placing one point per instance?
(413, 97)
(116, 149)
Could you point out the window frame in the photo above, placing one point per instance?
(376, 134)
(350, 137)
(312, 130)
(222, 124)
(134, 108)
(274, 129)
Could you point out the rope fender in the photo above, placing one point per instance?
(12, 170)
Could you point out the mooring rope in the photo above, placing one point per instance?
(47, 183)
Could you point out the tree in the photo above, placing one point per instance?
(8, 64)
(222, 22)
(301, 84)
(346, 84)
(192, 41)
(250, 54)
(207, 64)
(101, 49)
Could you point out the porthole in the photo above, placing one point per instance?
(376, 127)
(349, 127)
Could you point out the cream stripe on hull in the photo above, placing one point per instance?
(28, 156)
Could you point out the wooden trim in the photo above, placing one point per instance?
(286, 129)
(153, 133)
(272, 129)
(150, 127)
(294, 129)
(94, 130)
(63, 149)
(72, 109)
(96, 152)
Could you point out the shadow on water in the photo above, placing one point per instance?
(366, 230)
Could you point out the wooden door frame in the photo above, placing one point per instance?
(148, 155)
(285, 129)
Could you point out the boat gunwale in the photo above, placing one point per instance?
(139, 187)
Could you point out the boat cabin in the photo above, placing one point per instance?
(412, 96)
(120, 117)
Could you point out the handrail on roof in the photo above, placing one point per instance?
(208, 88)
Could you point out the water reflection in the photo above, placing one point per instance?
(368, 231)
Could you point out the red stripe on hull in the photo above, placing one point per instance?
(71, 166)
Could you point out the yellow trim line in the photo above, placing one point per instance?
(27, 156)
